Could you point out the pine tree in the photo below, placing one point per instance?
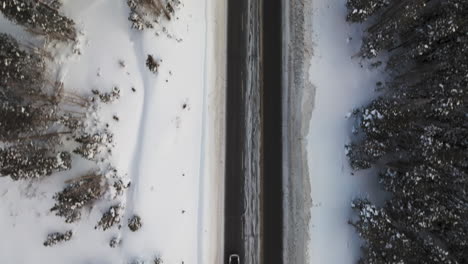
(21, 69)
(39, 17)
(30, 121)
(416, 133)
(77, 194)
(143, 13)
(29, 162)
(29, 118)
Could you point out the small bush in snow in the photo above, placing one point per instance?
(92, 145)
(115, 242)
(108, 97)
(134, 223)
(152, 64)
(137, 261)
(110, 218)
(55, 238)
(158, 260)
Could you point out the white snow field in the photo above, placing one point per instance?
(341, 85)
(169, 141)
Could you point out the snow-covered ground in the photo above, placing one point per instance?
(298, 96)
(169, 141)
(341, 85)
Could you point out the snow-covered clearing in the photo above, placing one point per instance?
(169, 141)
(341, 85)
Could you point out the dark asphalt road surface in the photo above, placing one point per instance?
(271, 76)
(235, 127)
(272, 133)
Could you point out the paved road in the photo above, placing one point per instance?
(272, 133)
(271, 167)
(235, 127)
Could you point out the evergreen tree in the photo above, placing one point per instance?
(143, 13)
(29, 162)
(416, 132)
(30, 127)
(78, 193)
(21, 69)
(39, 17)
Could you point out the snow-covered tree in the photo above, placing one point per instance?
(30, 121)
(20, 67)
(40, 17)
(416, 132)
(360, 10)
(92, 145)
(144, 13)
(29, 162)
(78, 194)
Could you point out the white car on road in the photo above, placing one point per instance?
(234, 259)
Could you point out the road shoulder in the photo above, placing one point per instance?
(298, 104)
